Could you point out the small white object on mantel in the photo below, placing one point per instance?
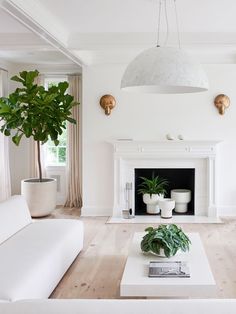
(169, 137)
(200, 155)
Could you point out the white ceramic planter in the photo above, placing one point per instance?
(162, 253)
(182, 197)
(152, 203)
(166, 206)
(40, 196)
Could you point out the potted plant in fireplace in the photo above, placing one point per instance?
(152, 190)
(33, 111)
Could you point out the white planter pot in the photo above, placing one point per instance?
(182, 197)
(162, 253)
(152, 203)
(40, 196)
(166, 206)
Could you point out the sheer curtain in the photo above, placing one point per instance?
(34, 173)
(73, 168)
(5, 181)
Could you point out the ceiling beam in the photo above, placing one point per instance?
(26, 13)
(129, 40)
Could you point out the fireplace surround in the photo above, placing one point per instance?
(200, 156)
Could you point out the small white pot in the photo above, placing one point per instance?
(40, 196)
(152, 203)
(166, 206)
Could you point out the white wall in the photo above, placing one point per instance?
(151, 117)
(19, 155)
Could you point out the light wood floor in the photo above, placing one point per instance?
(97, 271)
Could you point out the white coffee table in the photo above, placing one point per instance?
(136, 283)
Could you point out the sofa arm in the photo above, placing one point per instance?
(14, 216)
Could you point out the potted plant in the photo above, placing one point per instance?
(165, 241)
(33, 111)
(152, 190)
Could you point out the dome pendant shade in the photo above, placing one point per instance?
(164, 70)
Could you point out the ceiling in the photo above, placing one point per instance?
(102, 31)
(18, 44)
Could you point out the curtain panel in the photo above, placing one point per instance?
(73, 138)
(5, 181)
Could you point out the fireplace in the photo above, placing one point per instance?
(178, 178)
(170, 159)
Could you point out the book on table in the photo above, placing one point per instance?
(169, 269)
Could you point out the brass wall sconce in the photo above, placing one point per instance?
(222, 102)
(107, 102)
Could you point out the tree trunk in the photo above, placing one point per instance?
(39, 162)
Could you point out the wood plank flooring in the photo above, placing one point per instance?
(97, 271)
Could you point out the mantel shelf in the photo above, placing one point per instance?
(166, 142)
(168, 147)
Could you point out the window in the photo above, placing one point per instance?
(55, 155)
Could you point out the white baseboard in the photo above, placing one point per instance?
(222, 211)
(147, 219)
(226, 211)
(95, 211)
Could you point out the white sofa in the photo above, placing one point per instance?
(34, 255)
(120, 307)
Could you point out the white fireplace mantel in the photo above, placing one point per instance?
(185, 148)
(201, 155)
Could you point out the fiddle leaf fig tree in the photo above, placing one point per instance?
(33, 111)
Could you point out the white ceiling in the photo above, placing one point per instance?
(89, 16)
(18, 44)
(98, 31)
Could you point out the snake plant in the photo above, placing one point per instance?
(156, 185)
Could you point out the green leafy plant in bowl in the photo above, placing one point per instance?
(167, 238)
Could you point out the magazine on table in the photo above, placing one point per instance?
(169, 269)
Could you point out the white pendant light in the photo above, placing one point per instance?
(164, 70)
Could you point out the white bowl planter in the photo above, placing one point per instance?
(40, 196)
(166, 206)
(152, 203)
(162, 253)
(182, 197)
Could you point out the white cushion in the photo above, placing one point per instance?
(14, 215)
(34, 260)
(120, 307)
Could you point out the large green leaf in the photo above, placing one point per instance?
(17, 79)
(4, 108)
(17, 138)
(63, 87)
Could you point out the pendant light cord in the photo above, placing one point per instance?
(159, 24)
(167, 25)
(177, 23)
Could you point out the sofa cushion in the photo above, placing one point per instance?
(34, 260)
(14, 215)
